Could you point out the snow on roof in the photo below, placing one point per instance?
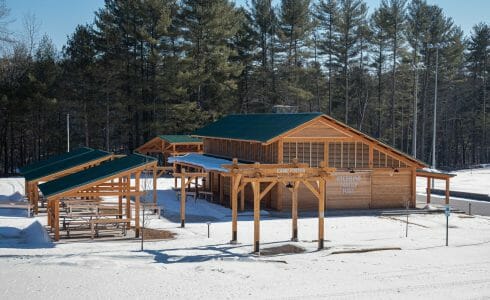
(209, 163)
(435, 171)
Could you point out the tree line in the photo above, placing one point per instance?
(148, 67)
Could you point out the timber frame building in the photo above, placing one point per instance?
(171, 145)
(368, 173)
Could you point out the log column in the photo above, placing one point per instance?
(155, 184)
(256, 190)
(137, 205)
(127, 189)
(56, 219)
(120, 197)
(447, 191)
(234, 209)
(294, 211)
(182, 197)
(428, 190)
(321, 212)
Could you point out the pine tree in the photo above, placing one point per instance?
(352, 15)
(326, 13)
(208, 28)
(264, 21)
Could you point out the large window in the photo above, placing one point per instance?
(311, 153)
(348, 155)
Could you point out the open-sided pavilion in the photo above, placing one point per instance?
(108, 179)
(435, 174)
(57, 167)
(262, 178)
(171, 145)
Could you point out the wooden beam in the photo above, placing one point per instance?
(371, 157)
(428, 190)
(155, 185)
(312, 189)
(256, 191)
(267, 189)
(120, 190)
(294, 211)
(447, 191)
(56, 220)
(127, 184)
(221, 180)
(242, 199)
(137, 206)
(234, 184)
(182, 198)
(413, 200)
(321, 214)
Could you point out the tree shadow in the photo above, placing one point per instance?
(220, 252)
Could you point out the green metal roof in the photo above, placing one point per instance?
(54, 159)
(180, 139)
(66, 164)
(104, 170)
(254, 127)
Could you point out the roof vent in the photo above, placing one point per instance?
(284, 109)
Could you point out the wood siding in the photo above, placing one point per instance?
(247, 151)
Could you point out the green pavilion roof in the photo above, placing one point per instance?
(254, 127)
(104, 170)
(54, 159)
(66, 164)
(179, 138)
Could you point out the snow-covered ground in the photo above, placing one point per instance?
(195, 266)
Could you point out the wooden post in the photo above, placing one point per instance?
(175, 178)
(197, 188)
(371, 157)
(36, 196)
(137, 206)
(57, 219)
(294, 211)
(321, 212)
(447, 191)
(155, 184)
(120, 190)
(242, 199)
(428, 190)
(413, 200)
(182, 197)
(234, 181)
(127, 188)
(221, 181)
(326, 146)
(49, 213)
(256, 190)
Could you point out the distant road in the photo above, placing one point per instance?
(477, 207)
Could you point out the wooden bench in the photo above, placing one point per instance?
(205, 195)
(94, 228)
(187, 194)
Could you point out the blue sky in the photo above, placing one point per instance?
(58, 18)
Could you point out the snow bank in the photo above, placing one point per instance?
(12, 189)
(32, 236)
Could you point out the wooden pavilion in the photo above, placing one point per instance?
(112, 178)
(369, 173)
(171, 145)
(59, 166)
(435, 175)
